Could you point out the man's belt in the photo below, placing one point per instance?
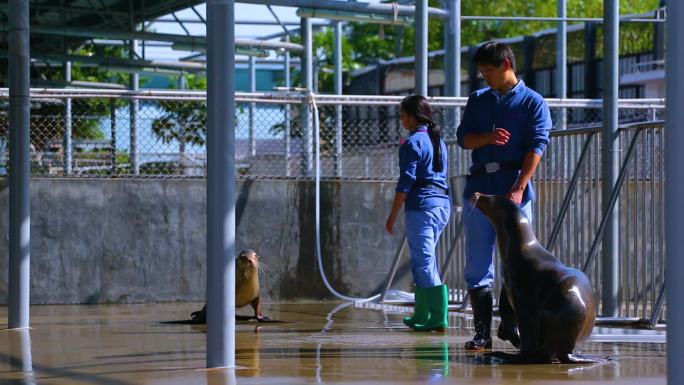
(492, 167)
(424, 183)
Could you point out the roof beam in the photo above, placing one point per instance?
(383, 8)
(190, 42)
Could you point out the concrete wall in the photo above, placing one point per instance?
(108, 240)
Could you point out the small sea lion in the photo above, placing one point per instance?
(552, 305)
(246, 287)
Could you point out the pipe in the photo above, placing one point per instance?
(674, 188)
(286, 134)
(610, 159)
(350, 6)
(561, 62)
(421, 44)
(67, 142)
(338, 91)
(19, 172)
(307, 71)
(252, 106)
(133, 114)
(195, 43)
(221, 184)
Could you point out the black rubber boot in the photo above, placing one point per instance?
(481, 301)
(508, 328)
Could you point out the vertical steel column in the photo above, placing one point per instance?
(288, 116)
(135, 80)
(674, 188)
(452, 65)
(452, 87)
(19, 172)
(611, 158)
(252, 106)
(20, 351)
(307, 73)
(67, 142)
(338, 91)
(112, 145)
(562, 62)
(421, 44)
(182, 140)
(221, 183)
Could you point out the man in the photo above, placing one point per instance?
(507, 127)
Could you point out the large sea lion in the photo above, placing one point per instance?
(246, 286)
(552, 305)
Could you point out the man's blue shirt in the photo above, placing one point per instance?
(415, 166)
(523, 113)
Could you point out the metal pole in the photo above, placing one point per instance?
(182, 141)
(611, 158)
(674, 188)
(421, 44)
(288, 84)
(352, 6)
(135, 161)
(19, 172)
(307, 72)
(338, 91)
(112, 149)
(453, 49)
(561, 62)
(66, 140)
(452, 64)
(252, 88)
(221, 184)
(67, 143)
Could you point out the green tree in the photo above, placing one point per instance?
(365, 44)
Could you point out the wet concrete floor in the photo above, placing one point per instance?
(329, 343)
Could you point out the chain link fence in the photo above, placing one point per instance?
(160, 134)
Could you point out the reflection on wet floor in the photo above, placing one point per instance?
(322, 343)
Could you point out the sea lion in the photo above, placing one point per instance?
(246, 287)
(553, 305)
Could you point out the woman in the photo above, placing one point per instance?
(423, 189)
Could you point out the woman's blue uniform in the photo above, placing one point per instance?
(428, 204)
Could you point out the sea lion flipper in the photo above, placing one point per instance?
(200, 315)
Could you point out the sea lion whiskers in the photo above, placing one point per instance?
(261, 267)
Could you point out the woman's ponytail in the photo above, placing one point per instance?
(419, 108)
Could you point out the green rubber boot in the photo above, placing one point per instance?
(421, 313)
(438, 308)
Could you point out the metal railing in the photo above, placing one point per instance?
(166, 138)
(360, 136)
(569, 217)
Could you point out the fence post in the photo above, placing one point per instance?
(20, 165)
(112, 148)
(674, 188)
(338, 91)
(611, 159)
(307, 71)
(288, 84)
(67, 143)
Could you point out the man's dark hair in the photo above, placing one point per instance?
(494, 53)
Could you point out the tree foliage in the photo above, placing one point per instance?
(366, 44)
